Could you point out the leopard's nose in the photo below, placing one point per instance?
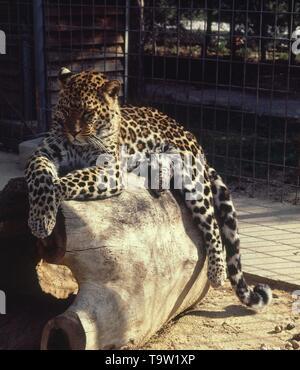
(76, 133)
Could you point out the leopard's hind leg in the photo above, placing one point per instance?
(199, 199)
(187, 173)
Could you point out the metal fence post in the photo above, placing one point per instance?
(127, 27)
(40, 64)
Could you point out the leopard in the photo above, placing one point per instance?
(90, 123)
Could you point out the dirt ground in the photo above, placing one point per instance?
(220, 322)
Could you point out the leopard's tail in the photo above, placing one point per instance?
(259, 296)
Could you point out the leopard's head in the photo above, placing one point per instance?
(88, 107)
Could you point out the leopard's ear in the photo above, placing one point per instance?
(64, 76)
(112, 88)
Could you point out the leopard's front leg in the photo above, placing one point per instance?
(47, 190)
(91, 183)
(44, 195)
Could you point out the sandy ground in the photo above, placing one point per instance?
(220, 322)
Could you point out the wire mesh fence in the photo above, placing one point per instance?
(226, 70)
(84, 35)
(17, 98)
(223, 68)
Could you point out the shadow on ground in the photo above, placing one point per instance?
(230, 311)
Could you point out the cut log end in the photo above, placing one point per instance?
(65, 332)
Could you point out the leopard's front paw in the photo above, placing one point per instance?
(43, 212)
(217, 274)
(42, 225)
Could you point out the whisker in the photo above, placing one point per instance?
(98, 143)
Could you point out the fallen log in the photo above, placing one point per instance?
(137, 262)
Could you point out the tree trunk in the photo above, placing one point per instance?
(138, 263)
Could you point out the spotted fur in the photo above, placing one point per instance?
(88, 122)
